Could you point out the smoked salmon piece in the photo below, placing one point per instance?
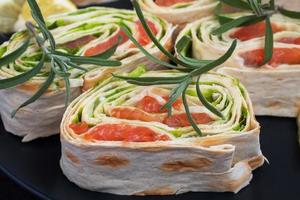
(253, 31)
(181, 120)
(141, 35)
(151, 105)
(255, 58)
(104, 46)
(79, 42)
(290, 40)
(132, 113)
(124, 132)
(79, 128)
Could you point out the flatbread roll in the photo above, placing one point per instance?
(116, 138)
(273, 87)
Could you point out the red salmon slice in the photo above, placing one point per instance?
(253, 31)
(104, 46)
(181, 120)
(255, 58)
(79, 42)
(151, 105)
(289, 40)
(141, 36)
(167, 3)
(124, 132)
(132, 113)
(176, 105)
(79, 128)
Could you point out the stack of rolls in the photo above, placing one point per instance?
(116, 138)
(86, 32)
(273, 87)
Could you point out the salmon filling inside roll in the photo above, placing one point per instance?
(148, 109)
(140, 35)
(124, 132)
(255, 58)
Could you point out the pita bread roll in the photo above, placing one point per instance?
(273, 87)
(116, 139)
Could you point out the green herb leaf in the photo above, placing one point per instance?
(217, 62)
(268, 50)
(152, 37)
(205, 102)
(221, 18)
(45, 31)
(233, 24)
(38, 17)
(144, 51)
(68, 91)
(58, 72)
(95, 61)
(176, 93)
(272, 4)
(11, 57)
(35, 9)
(237, 4)
(189, 115)
(289, 13)
(181, 46)
(63, 67)
(22, 78)
(38, 94)
(77, 66)
(256, 7)
(152, 80)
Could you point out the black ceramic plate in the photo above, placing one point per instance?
(35, 165)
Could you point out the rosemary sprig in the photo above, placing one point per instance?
(237, 4)
(288, 13)
(194, 69)
(14, 55)
(60, 62)
(260, 12)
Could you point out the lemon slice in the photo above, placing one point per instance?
(49, 8)
(9, 12)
